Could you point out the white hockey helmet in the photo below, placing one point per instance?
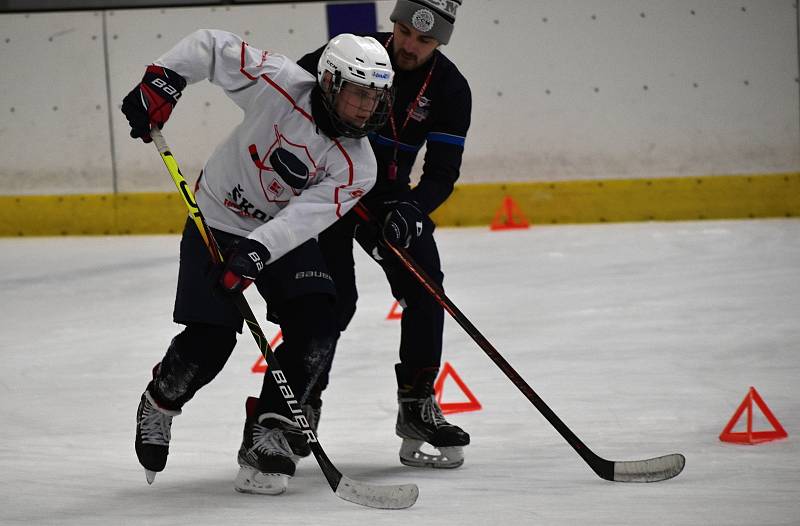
(362, 61)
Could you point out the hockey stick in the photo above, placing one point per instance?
(649, 470)
(387, 497)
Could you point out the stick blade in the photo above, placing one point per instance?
(394, 497)
(650, 470)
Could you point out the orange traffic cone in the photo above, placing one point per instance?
(261, 364)
(454, 407)
(749, 436)
(508, 216)
(396, 313)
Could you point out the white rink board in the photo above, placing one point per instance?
(54, 125)
(562, 89)
(576, 89)
(204, 115)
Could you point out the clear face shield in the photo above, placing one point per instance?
(356, 109)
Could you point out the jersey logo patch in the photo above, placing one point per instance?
(421, 111)
(238, 203)
(287, 163)
(275, 188)
(289, 167)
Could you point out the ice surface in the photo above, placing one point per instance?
(643, 338)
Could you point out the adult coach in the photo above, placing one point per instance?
(432, 107)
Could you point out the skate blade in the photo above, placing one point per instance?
(412, 455)
(149, 475)
(250, 480)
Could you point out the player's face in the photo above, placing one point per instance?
(411, 48)
(355, 104)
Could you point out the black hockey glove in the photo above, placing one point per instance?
(150, 103)
(403, 224)
(247, 259)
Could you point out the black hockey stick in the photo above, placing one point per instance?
(649, 470)
(388, 497)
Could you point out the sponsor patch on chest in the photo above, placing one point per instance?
(238, 203)
(275, 188)
(421, 111)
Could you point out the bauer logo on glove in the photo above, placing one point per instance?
(150, 103)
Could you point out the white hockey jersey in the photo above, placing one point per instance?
(276, 178)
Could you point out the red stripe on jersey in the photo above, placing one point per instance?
(349, 178)
(273, 84)
(288, 97)
(241, 67)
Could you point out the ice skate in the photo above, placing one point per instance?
(153, 425)
(296, 438)
(266, 459)
(420, 421)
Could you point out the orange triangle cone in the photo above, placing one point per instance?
(396, 313)
(457, 407)
(749, 436)
(508, 216)
(261, 364)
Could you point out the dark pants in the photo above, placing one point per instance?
(423, 318)
(300, 297)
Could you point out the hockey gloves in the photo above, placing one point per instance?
(151, 101)
(243, 265)
(403, 224)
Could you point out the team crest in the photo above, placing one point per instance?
(289, 167)
(285, 165)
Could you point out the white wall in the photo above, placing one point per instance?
(558, 87)
(560, 94)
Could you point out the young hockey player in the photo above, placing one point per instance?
(296, 163)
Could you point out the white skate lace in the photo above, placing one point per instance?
(269, 441)
(155, 426)
(431, 413)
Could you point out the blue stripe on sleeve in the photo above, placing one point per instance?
(446, 138)
(385, 141)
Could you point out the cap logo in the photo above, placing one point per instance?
(422, 20)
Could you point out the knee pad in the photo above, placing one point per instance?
(193, 359)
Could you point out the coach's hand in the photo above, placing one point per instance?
(403, 223)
